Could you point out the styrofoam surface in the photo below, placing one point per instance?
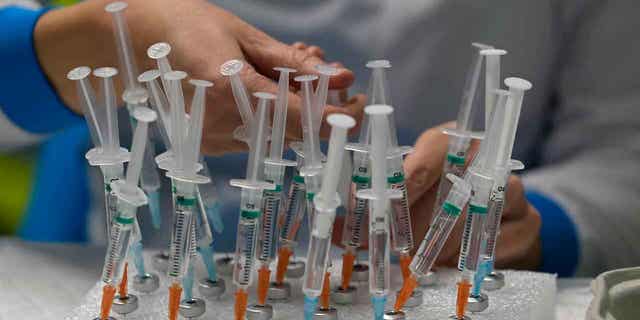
(527, 295)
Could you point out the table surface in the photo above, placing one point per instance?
(45, 281)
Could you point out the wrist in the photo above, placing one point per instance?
(69, 37)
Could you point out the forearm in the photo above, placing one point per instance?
(83, 35)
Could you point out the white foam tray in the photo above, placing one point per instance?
(527, 295)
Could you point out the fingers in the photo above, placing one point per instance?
(354, 107)
(266, 53)
(518, 244)
(515, 206)
(423, 167)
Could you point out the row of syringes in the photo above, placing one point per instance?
(122, 227)
(480, 188)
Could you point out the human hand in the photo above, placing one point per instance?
(518, 244)
(202, 37)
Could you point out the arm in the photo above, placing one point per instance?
(29, 106)
(202, 37)
(591, 160)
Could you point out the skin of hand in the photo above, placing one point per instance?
(202, 37)
(518, 243)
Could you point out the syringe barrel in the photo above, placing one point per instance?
(247, 236)
(119, 239)
(357, 214)
(440, 229)
(312, 186)
(290, 218)
(474, 227)
(494, 215)
(454, 164)
(111, 173)
(272, 200)
(379, 252)
(181, 237)
(401, 232)
(318, 254)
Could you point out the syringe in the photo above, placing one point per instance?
(159, 52)
(379, 196)
(143, 281)
(130, 197)
(296, 205)
(274, 170)
(401, 231)
(232, 70)
(183, 172)
(126, 55)
(251, 205)
(107, 154)
(127, 58)
(481, 176)
(289, 222)
(460, 137)
(436, 237)
(358, 209)
(492, 72)
(102, 123)
(506, 116)
(326, 202)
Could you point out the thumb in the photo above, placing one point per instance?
(265, 53)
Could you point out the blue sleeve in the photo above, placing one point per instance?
(26, 96)
(558, 234)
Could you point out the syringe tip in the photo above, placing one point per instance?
(410, 284)
(105, 72)
(518, 83)
(493, 52)
(378, 109)
(285, 69)
(175, 75)
(231, 67)
(159, 50)
(201, 83)
(305, 78)
(264, 95)
(135, 96)
(149, 75)
(144, 114)
(326, 69)
(240, 307)
(341, 121)
(79, 73)
(375, 64)
(115, 6)
(481, 46)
